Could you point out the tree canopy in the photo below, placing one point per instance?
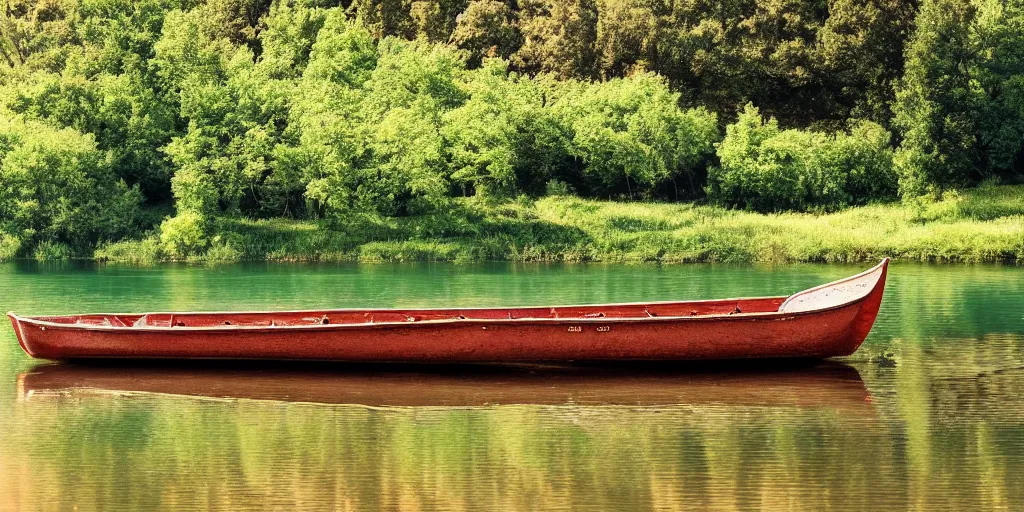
(117, 113)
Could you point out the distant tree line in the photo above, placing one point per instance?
(115, 113)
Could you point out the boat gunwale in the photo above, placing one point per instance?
(392, 310)
(769, 315)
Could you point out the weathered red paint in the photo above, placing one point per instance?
(829, 320)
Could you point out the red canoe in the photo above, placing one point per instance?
(825, 321)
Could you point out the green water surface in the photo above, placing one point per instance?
(928, 414)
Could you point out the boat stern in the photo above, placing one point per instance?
(16, 324)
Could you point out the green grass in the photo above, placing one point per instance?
(50, 251)
(141, 252)
(985, 224)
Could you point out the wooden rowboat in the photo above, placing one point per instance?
(825, 321)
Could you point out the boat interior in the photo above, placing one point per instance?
(827, 295)
(371, 316)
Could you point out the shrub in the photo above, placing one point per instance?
(864, 157)
(145, 251)
(631, 133)
(222, 252)
(767, 169)
(9, 246)
(761, 168)
(49, 251)
(184, 234)
(557, 188)
(57, 187)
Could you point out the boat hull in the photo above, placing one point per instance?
(835, 330)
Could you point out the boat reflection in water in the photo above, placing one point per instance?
(800, 384)
(329, 437)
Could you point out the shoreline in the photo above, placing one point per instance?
(980, 225)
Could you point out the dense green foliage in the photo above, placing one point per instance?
(764, 168)
(983, 224)
(57, 188)
(119, 117)
(961, 103)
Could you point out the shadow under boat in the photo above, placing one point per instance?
(791, 383)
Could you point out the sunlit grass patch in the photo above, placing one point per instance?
(52, 251)
(139, 252)
(984, 224)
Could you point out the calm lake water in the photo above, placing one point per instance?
(928, 414)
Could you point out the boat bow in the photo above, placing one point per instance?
(863, 291)
(838, 293)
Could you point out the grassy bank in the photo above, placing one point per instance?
(983, 224)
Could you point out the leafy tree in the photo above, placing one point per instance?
(628, 33)
(238, 20)
(864, 159)
(484, 134)
(755, 173)
(407, 95)
(999, 40)
(287, 38)
(765, 168)
(559, 36)
(125, 115)
(236, 107)
(728, 52)
(436, 19)
(324, 143)
(407, 72)
(36, 34)
(56, 186)
(937, 100)
(385, 17)
(368, 122)
(133, 123)
(960, 104)
(117, 36)
(860, 55)
(105, 87)
(190, 49)
(408, 172)
(631, 132)
(487, 28)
